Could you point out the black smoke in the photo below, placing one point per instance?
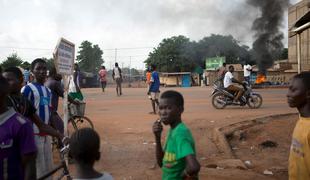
(268, 45)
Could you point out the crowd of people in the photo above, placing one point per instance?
(29, 118)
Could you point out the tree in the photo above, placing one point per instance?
(89, 57)
(172, 55)
(219, 45)
(11, 61)
(25, 65)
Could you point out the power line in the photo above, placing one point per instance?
(47, 49)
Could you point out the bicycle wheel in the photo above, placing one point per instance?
(79, 122)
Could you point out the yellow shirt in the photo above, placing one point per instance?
(299, 160)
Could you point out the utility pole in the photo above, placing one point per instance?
(129, 71)
(115, 55)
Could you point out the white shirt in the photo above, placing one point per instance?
(246, 72)
(116, 73)
(105, 176)
(228, 79)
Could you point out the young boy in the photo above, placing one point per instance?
(298, 96)
(85, 150)
(154, 88)
(103, 77)
(178, 158)
(17, 146)
(40, 97)
(21, 104)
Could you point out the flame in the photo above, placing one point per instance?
(260, 79)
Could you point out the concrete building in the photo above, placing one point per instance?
(299, 14)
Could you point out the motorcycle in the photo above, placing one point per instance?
(221, 97)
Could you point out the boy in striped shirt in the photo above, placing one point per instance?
(40, 97)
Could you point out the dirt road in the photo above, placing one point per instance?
(124, 124)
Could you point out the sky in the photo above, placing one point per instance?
(32, 28)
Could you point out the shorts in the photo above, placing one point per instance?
(154, 95)
(44, 160)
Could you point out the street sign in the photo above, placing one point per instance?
(64, 57)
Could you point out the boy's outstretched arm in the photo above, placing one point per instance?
(45, 128)
(192, 167)
(157, 130)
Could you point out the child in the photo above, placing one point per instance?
(40, 97)
(178, 158)
(154, 88)
(103, 77)
(298, 96)
(17, 146)
(21, 104)
(85, 150)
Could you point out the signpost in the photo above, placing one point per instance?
(64, 63)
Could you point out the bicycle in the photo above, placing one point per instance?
(77, 120)
(63, 165)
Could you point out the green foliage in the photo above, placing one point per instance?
(284, 54)
(172, 55)
(11, 61)
(89, 57)
(179, 54)
(25, 65)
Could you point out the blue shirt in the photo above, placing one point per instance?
(155, 83)
(26, 75)
(41, 98)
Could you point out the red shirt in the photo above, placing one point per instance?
(103, 75)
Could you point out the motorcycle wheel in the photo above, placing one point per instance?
(218, 101)
(255, 101)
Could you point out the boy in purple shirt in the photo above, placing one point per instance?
(17, 146)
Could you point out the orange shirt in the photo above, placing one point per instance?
(148, 77)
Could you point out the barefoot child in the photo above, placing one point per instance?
(298, 96)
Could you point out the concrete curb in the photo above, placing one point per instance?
(220, 134)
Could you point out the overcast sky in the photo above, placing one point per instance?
(32, 27)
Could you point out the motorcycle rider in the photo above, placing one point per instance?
(228, 84)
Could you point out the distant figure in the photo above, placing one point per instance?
(117, 76)
(298, 96)
(26, 76)
(177, 158)
(247, 69)
(154, 88)
(85, 150)
(148, 81)
(221, 73)
(103, 77)
(74, 84)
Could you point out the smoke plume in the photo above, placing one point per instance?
(268, 38)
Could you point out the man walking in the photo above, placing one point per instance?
(117, 76)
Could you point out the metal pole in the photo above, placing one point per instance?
(129, 71)
(298, 53)
(115, 55)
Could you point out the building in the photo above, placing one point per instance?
(298, 14)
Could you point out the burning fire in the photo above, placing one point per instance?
(260, 78)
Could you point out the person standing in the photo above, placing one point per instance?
(177, 158)
(221, 74)
(26, 76)
(40, 97)
(117, 76)
(298, 96)
(154, 88)
(74, 84)
(17, 146)
(103, 77)
(148, 75)
(247, 69)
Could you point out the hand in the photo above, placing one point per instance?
(148, 93)
(157, 129)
